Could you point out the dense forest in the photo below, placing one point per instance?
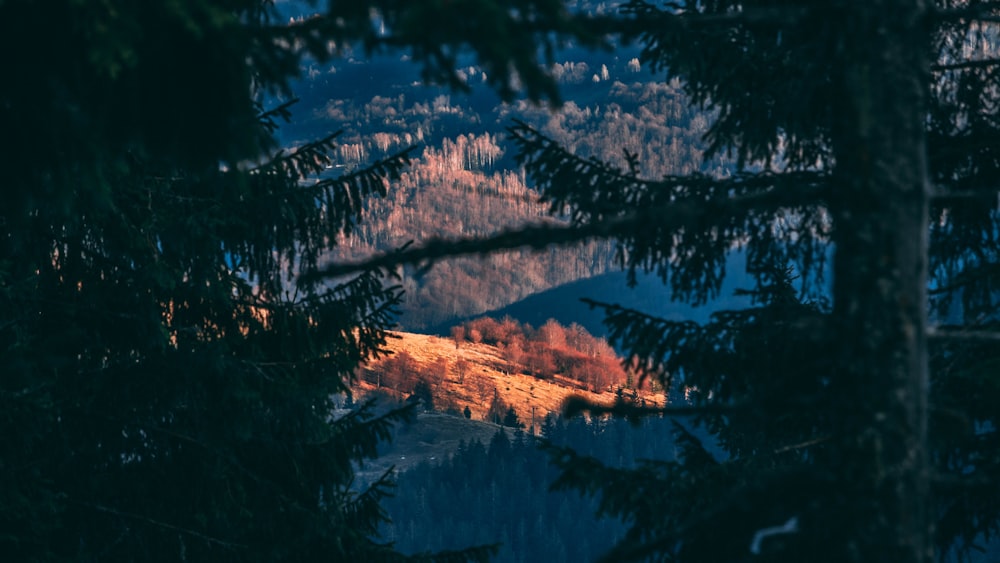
(502, 492)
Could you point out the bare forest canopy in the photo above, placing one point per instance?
(463, 180)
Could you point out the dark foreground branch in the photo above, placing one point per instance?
(950, 333)
(534, 236)
(671, 216)
(965, 65)
(160, 524)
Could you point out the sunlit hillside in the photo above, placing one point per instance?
(473, 375)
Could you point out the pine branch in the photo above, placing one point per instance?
(304, 219)
(944, 195)
(647, 339)
(590, 188)
(350, 191)
(981, 63)
(306, 160)
(692, 453)
(801, 445)
(161, 524)
(970, 276)
(669, 216)
(365, 512)
(534, 236)
(269, 118)
(962, 334)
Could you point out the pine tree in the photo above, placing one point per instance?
(173, 399)
(843, 135)
(865, 128)
(424, 395)
(758, 465)
(511, 420)
(166, 378)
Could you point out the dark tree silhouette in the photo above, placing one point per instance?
(831, 122)
(510, 419)
(497, 409)
(423, 394)
(166, 392)
(861, 129)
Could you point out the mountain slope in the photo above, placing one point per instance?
(468, 376)
(472, 375)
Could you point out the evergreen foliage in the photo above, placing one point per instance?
(760, 366)
(167, 392)
(511, 420)
(423, 394)
(497, 409)
(172, 399)
(844, 136)
(864, 127)
(499, 493)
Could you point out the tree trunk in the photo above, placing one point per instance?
(880, 231)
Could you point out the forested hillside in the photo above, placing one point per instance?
(454, 191)
(500, 492)
(463, 181)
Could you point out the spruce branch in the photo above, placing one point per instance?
(804, 444)
(670, 216)
(965, 65)
(945, 333)
(160, 524)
